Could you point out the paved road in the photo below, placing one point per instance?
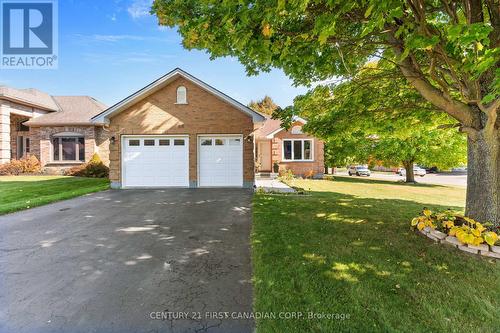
(106, 261)
(452, 179)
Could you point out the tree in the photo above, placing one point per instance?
(386, 120)
(265, 105)
(447, 50)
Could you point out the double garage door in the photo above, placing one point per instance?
(163, 161)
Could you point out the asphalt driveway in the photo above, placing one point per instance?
(129, 261)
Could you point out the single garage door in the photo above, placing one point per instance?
(159, 161)
(220, 161)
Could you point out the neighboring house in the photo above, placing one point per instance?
(55, 129)
(179, 131)
(291, 149)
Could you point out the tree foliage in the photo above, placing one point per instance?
(266, 105)
(448, 50)
(385, 119)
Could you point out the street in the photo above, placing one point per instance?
(453, 179)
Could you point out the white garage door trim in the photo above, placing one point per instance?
(235, 182)
(142, 137)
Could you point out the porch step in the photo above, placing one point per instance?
(266, 175)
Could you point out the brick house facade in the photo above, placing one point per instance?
(270, 140)
(30, 120)
(203, 114)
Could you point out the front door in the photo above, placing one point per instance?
(264, 156)
(23, 146)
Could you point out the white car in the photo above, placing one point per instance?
(417, 171)
(358, 170)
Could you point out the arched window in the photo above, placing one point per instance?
(296, 130)
(181, 95)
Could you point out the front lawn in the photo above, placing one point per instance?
(22, 192)
(347, 249)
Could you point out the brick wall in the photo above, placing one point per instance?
(41, 137)
(204, 114)
(298, 168)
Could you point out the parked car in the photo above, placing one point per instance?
(358, 170)
(417, 171)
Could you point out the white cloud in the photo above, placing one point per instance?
(118, 38)
(122, 58)
(139, 8)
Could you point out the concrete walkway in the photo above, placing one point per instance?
(273, 185)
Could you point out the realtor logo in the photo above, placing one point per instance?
(29, 34)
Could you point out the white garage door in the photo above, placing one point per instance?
(155, 161)
(220, 160)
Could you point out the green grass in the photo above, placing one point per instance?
(347, 249)
(22, 192)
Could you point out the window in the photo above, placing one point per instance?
(219, 142)
(234, 142)
(68, 149)
(206, 142)
(21, 127)
(149, 142)
(164, 142)
(178, 142)
(181, 95)
(297, 150)
(296, 130)
(134, 142)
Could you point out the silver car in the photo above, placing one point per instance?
(417, 171)
(358, 170)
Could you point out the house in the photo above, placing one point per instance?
(290, 149)
(179, 131)
(55, 129)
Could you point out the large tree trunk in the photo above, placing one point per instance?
(410, 176)
(483, 178)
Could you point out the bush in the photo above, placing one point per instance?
(465, 229)
(286, 175)
(94, 169)
(29, 164)
(309, 174)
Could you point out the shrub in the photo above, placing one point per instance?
(29, 164)
(309, 174)
(94, 169)
(286, 175)
(465, 229)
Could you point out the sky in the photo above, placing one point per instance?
(110, 49)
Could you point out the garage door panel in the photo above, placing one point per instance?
(220, 161)
(159, 164)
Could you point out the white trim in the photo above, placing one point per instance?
(293, 153)
(68, 134)
(160, 83)
(294, 118)
(215, 136)
(122, 169)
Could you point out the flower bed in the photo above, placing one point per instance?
(458, 231)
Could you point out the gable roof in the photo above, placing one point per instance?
(31, 97)
(162, 82)
(271, 127)
(74, 110)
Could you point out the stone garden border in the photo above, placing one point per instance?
(441, 237)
